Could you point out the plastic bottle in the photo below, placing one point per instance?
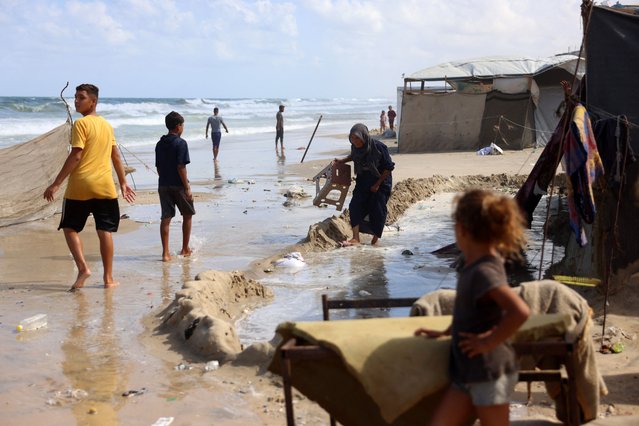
(33, 323)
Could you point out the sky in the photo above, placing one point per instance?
(264, 48)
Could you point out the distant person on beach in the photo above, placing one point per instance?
(382, 122)
(373, 167)
(214, 122)
(483, 367)
(91, 189)
(171, 158)
(391, 117)
(279, 127)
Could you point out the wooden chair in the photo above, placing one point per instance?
(338, 179)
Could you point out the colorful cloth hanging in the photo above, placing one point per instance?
(582, 165)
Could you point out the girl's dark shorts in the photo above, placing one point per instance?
(106, 213)
(171, 196)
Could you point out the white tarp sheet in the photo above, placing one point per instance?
(495, 66)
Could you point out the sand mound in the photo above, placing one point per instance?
(330, 232)
(201, 316)
(409, 191)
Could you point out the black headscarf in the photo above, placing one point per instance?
(367, 157)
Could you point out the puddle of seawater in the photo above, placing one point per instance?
(379, 272)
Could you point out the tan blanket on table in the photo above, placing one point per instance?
(547, 297)
(382, 373)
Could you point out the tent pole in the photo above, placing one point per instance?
(309, 142)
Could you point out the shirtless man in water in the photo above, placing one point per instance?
(91, 189)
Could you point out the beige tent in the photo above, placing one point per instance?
(466, 105)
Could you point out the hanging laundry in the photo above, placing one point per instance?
(582, 165)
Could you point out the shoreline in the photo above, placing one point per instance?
(256, 396)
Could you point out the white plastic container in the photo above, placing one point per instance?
(212, 365)
(33, 323)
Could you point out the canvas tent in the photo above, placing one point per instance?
(507, 100)
(612, 50)
(612, 46)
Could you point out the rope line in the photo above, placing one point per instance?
(457, 121)
(127, 163)
(138, 158)
(605, 114)
(548, 132)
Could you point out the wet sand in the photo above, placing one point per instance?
(107, 342)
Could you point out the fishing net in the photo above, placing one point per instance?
(27, 170)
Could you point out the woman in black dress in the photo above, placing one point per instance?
(373, 167)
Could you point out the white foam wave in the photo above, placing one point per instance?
(141, 121)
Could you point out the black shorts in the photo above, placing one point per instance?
(216, 137)
(171, 196)
(106, 213)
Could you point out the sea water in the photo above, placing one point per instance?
(246, 150)
(244, 222)
(387, 271)
(138, 122)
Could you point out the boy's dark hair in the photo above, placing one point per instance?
(91, 89)
(216, 109)
(281, 108)
(172, 120)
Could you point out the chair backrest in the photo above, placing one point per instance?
(341, 174)
(399, 302)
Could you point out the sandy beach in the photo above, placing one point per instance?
(103, 344)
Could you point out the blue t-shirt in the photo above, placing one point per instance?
(171, 151)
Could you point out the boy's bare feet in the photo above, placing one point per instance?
(186, 252)
(166, 257)
(80, 279)
(111, 284)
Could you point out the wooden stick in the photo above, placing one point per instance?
(312, 136)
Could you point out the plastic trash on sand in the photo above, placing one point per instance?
(296, 192)
(33, 323)
(292, 261)
(163, 421)
(212, 365)
(492, 149)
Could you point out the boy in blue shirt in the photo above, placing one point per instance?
(171, 158)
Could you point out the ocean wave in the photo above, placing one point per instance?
(31, 105)
(141, 120)
(25, 130)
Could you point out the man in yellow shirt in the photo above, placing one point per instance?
(91, 189)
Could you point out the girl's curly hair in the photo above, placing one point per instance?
(492, 218)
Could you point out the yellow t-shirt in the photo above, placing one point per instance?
(92, 177)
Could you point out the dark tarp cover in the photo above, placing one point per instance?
(612, 65)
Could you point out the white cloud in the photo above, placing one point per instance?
(356, 16)
(95, 16)
(268, 47)
(146, 7)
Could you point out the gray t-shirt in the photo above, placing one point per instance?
(475, 313)
(215, 121)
